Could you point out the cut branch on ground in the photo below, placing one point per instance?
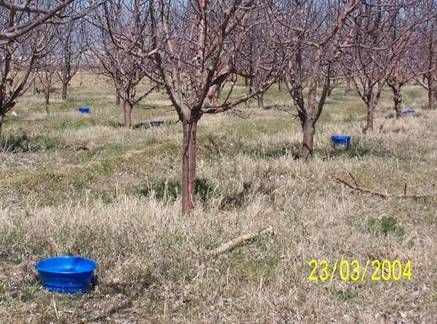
(239, 241)
(357, 188)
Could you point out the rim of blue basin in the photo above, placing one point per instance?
(339, 137)
(409, 110)
(58, 265)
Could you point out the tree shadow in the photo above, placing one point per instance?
(114, 124)
(273, 152)
(154, 123)
(142, 125)
(360, 148)
(163, 189)
(18, 143)
(238, 199)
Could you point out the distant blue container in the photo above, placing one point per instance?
(156, 122)
(66, 274)
(340, 141)
(84, 109)
(408, 112)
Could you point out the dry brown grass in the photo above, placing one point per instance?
(82, 192)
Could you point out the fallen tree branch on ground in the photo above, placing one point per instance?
(355, 187)
(239, 241)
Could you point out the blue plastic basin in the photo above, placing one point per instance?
(408, 112)
(84, 109)
(66, 274)
(341, 139)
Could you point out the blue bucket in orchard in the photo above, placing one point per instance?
(408, 112)
(84, 109)
(66, 274)
(341, 141)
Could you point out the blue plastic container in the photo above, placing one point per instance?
(408, 112)
(84, 109)
(66, 274)
(156, 122)
(341, 141)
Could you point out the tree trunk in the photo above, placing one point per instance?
(308, 139)
(251, 85)
(1, 124)
(369, 122)
(435, 96)
(127, 113)
(260, 98)
(188, 165)
(117, 99)
(397, 98)
(432, 93)
(66, 69)
(279, 84)
(348, 89)
(331, 88)
(34, 87)
(47, 99)
(64, 89)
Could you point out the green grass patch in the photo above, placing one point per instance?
(345, 295)
(384, 226)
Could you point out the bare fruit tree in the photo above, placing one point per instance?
(253, 51)
(71, 47)
(197, 42)
(398, 78)
(132, 74)
(407, 63)
(427, 52)
(376, 49)
(24, 34)
(45, 71)
(312, 35)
